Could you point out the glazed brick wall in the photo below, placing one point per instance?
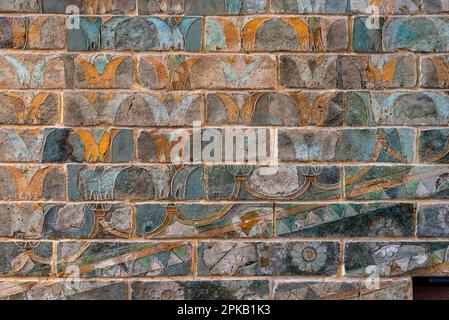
(362, 115)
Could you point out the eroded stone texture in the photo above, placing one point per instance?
(204, 220)
(115, 259)
(267, 258)
(282, 182)
(200, 290)
(32, 182)
(61, 290)
(376, 145)
(345, 220)
(397, 182)
(396, 258)
(29, 108)
(128, 109)
(400, 289)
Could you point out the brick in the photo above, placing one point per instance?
(423, 34)
(263, 34)
(344, 220)
(221, 7)
(26, 259)
(103, 71)
(304, 6)
(435, 6)
(86, 37)
(32, 182)
(115, 259)
(200, 290)
(398, 289)
(409, 108)
(434, 71)
(224, 72)
(433, 146)
(22, 145)
(61, 290)
(20, 6)
(204, 220)
(89, 6)
(275, 109)
(22, 220)
(267, 258)
(432, 220)
(88, 183)
(27, 71)
(369, 145)
(32, 32)
(367, 34)
(29, 108)
(348, 71)
(152, 34)
(395, 258)
(387, 8)
(88, 145)
(131, 109)
(86, 221)
(396, 182)
(284, 182)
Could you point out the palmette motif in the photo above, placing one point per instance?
(99, 98)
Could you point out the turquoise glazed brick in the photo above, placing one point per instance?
(367, 36)
(90, 145)
(429, 34)
(432, 220)
(286, 182)
(201, 290)
(24, 259)
(86, 37)
(391, 259)
(397, 182)
(87, 183)
(346, 289)
(375, 145)
(204, 220)
(433, 146)
(58, 290)
(344, 220)
(304, 6)
(149, 259)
